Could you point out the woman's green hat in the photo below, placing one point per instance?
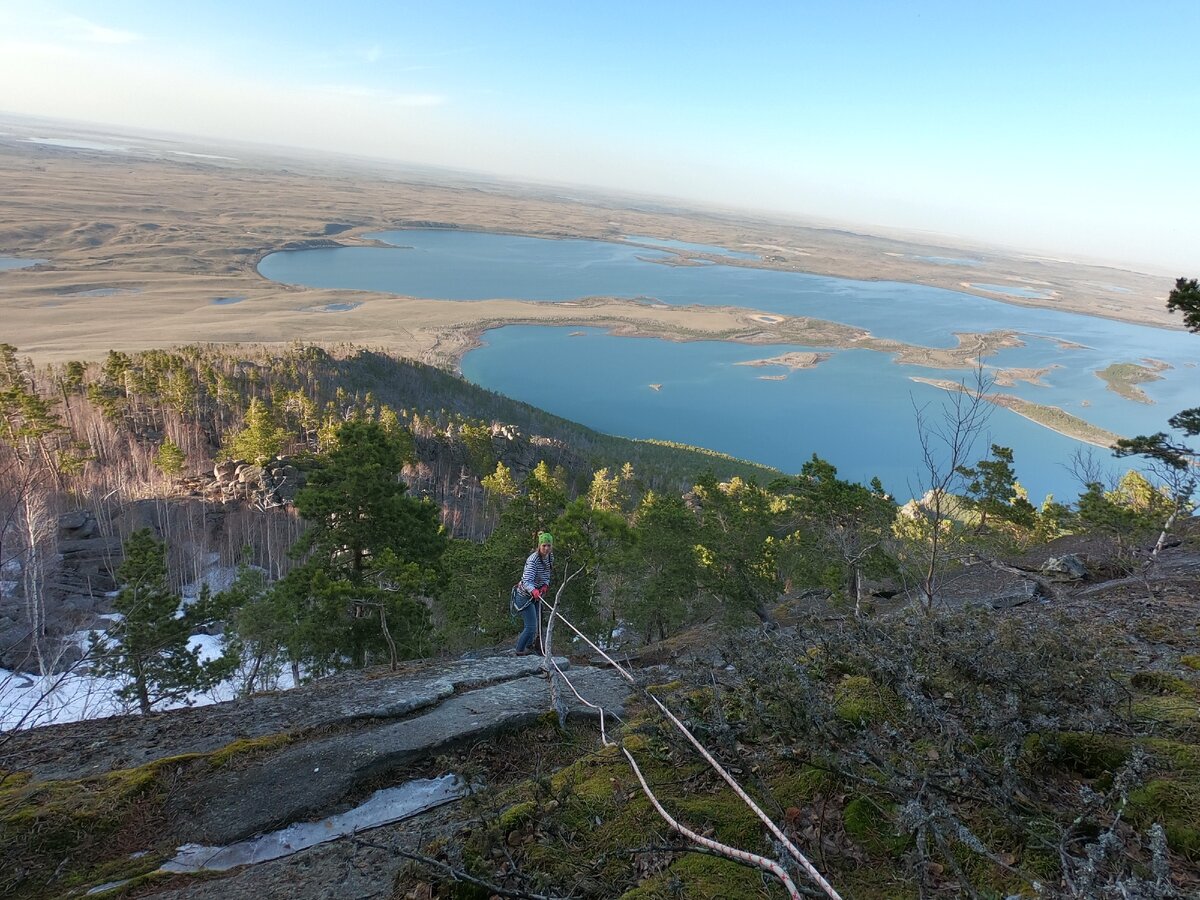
(545, 538)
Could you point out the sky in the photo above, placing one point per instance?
(1063, 128)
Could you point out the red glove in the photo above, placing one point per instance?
(538, 593)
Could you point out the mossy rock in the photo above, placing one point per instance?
(1168, 709)
(1163, 683)
(247, 749)
(1191, 661)
(1176, 804)
(697, 876)
(44, 822)
(861, 702)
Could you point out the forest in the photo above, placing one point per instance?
(373, 510)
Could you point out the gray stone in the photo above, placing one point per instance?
(89, 548)
(1017, 597)
(80, 603)
(79, 523)
(287, 490)
(67, 658)
(250, 475)
(142, 514)
(1065, 568)
(225, 471)
(312, 777)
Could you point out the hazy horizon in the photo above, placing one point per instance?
(1062, 132)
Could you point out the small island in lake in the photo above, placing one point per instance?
(1124, 378)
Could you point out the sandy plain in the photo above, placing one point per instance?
(157, 247)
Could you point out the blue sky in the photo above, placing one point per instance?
(1059, 127)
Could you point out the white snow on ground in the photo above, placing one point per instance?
(29, 701)
(384, 807)
(211, 646)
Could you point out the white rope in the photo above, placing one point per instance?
(603, 733)
(792, 849)
(724, 849)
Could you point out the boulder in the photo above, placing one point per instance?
(1065, 568)
(78, 524)
(250, 475)
(66, 659)
(81, 603)
(225, 471)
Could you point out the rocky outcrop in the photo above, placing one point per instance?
(275, 483)
(77, 588)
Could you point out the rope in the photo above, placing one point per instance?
(724, 849)
(792, 849)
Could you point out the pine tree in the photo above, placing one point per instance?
(737, 547)
(370, 551)
(841, 530)
(150, 647)
(500, 485)
(170, 458)
(665, 566)
(260, 438)
(993, 490)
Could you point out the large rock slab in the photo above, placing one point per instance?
(314, 777)
(93, 747)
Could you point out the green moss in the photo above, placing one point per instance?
(516, 816)
(731, 820)
(697, 876)
(117, 870)
(870, 824)
(1163, 683)
(1191, 661)
(44, 822)
(802, 785)
(248, 748)
(1089, 755)
(666, 688)
(1176, 804)
(1167, 709)
(1175, 756)
(861, 702)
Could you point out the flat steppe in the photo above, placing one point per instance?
(139, 244)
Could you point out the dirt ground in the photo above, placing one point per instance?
(137, 247)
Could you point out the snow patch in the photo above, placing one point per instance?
(383, 808)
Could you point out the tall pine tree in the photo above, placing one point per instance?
(149, 649)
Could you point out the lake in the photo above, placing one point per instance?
(855, 409)
(12, 262)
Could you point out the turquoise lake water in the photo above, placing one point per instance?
(12, 262)
(856, 409)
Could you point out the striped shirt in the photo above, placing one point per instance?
(538, 571)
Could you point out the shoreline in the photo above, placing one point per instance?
(691, 259)
(1051, 417)
(134, 264)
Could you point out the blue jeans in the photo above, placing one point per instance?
(530, 615)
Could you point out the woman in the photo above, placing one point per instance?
(534, 583)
